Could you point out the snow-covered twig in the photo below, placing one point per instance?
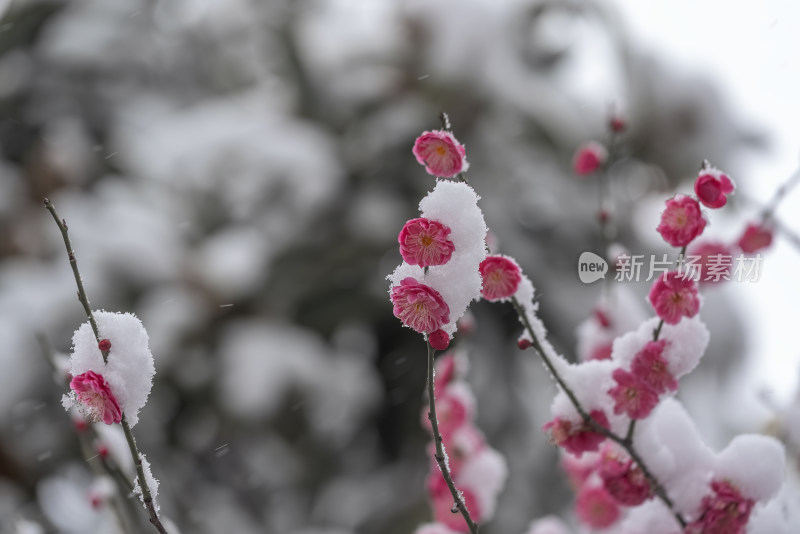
(84, 300)
(626, 442)
(458, 498)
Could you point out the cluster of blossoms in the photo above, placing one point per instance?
(716, 493)
(478, 470)
(442, 252)
(445, 267)
(719, 493)
(682, 221)
(619, 394)
(625, 378)
(443, 249)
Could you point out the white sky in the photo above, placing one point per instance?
(753, 50)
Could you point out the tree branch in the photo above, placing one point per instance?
(137, 458)
(625, 442)
(458, 498)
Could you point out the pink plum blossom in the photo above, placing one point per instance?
(501, 277)
(96, 398)
(712, 188)
(440, 153)
(128, 371)
(617, 123)
(425, 242)
(589, 158)
(724, 512)
(681, 221)
(632, 396)
(596, 508)
(577, 438)
(624, 480)
(755, 237)
(578, 470)
(439, 339)
(418, 306)
(650, 367)
(674, 297)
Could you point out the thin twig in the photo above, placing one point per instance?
(147, 498)
(626, 442)
(458, 498)
(603, 187)
(779, 194)
(84, 300)
(657, 330)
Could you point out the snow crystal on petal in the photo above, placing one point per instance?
(130, 368)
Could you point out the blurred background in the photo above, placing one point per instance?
(236, 174)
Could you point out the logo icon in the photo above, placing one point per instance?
(591, 267)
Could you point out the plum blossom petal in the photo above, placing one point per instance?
(425, 242)
(726, 511)
(674, 297)
(441, 153)
(755, 237)
(681, 221)
(589, 158)
(577, 438)
(501, 277)
(419, 307)
(596, 508)
(97, 400)
(632, 396)
(712, 187)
